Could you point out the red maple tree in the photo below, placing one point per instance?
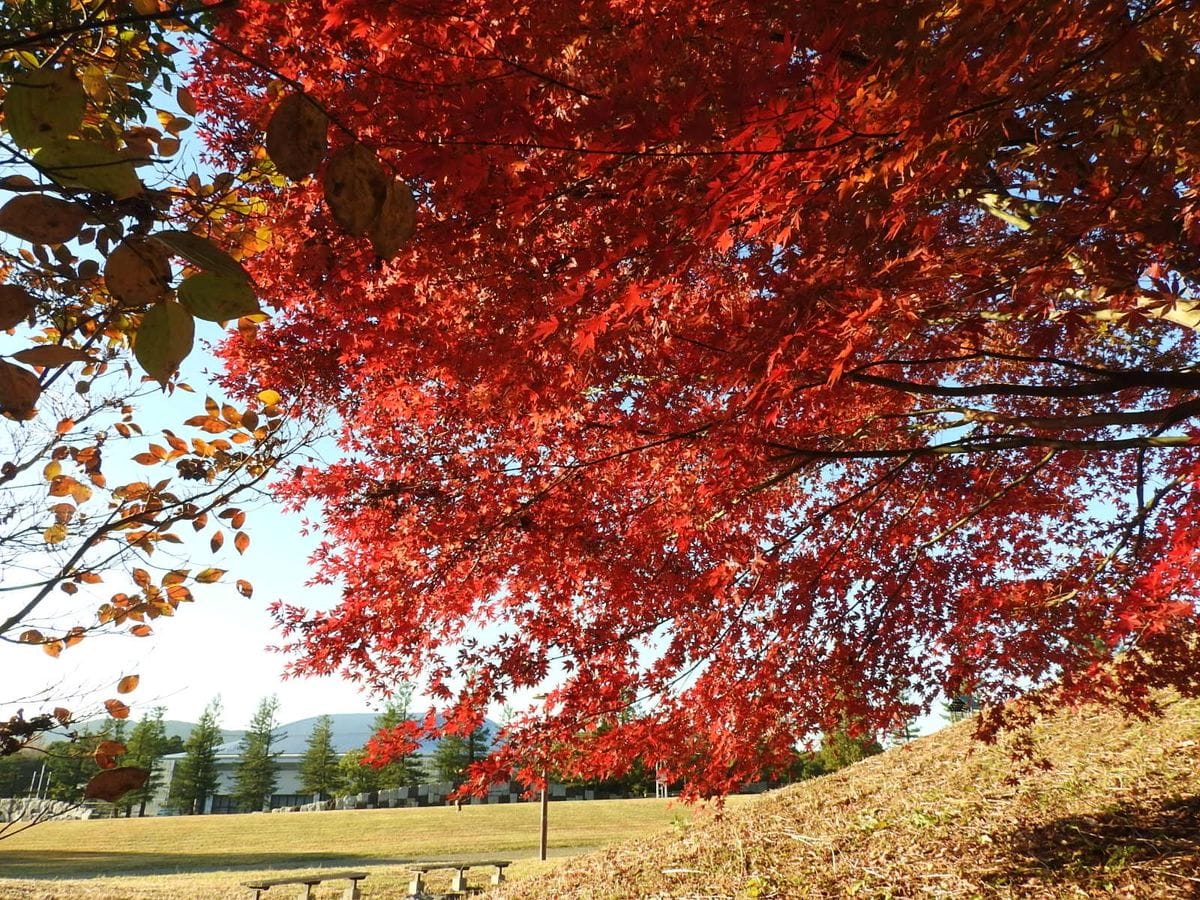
(757, 365)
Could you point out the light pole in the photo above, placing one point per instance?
(545, 791)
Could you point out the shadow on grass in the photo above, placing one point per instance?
(1148, 836)
(121, 862)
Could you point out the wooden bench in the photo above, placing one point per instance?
(458, 884)
(262, 885)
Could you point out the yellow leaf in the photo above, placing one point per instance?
(43, 105)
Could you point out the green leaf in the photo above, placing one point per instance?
(218, 298)
(42, 106)
(202, 253)
(87, 165)
(164, 340)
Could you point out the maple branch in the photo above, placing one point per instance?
(128, 19)
(1117, 381)
(1165, 417)
(987, 501)
(990, 445)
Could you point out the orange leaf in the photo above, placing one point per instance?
(245, 588)
(241, 541)
(117, 709)
(107, 752)
(112, 784)
(127, 684)
(141, 630)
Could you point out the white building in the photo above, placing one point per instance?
(350, 731)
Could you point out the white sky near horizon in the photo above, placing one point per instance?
(216, 645)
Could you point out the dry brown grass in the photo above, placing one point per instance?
(1118, 815)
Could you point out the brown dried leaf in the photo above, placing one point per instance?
(396, 222)
(40, 219)
(112, 784)
(355, 188)
(19, 391)
(51, 356)
(116, 709)
(138, 272)
(297, 137)
(16, 304)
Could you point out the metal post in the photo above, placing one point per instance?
(545, 810)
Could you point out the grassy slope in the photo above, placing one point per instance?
(1117, 815)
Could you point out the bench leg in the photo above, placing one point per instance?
(498, 875)
(459, 881)
(352, 892)
(306, 894)
(416, 887)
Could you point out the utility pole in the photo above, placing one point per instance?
(545, 791)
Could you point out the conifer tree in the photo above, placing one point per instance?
(196, 777)
(146, 747)
(404, 769)
(320, 774)
(257, 771)
(455, 754)
(358, 777)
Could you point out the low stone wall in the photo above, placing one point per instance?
(15, 809)
(438, 794)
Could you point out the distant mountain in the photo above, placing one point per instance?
(174, 727)
(350, 731)
(179, 728)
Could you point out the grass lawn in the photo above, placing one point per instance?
(209, 856)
